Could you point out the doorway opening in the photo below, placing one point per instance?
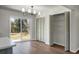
(19, 29)
(60, 30)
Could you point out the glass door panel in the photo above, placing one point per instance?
(19, 29)
(25, 30)
(15, 29)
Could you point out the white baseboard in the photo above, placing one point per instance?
(53, 43)
(74, 51)
(58, 43)
(47, 43)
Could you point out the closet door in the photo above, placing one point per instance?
(40, 29)
(37, 29)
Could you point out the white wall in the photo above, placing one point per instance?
(5, 15)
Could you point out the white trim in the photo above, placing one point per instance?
(70, 29)
(47, 43)
(35, 31)
(74, 51)
(58, 44)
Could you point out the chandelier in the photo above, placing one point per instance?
(30, 11)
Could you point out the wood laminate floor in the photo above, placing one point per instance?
(36, 47)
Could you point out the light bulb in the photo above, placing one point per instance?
(23, 9)
(12, 19)
(29, 10)
(38, 13)
(34, 12)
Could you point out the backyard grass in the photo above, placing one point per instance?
(17, 36)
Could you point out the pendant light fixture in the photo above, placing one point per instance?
(31, 11)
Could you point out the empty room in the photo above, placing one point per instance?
(39, 29)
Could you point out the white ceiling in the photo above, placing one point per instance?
(43, 9)
(36, 7)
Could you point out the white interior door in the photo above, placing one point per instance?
(37, 29)
(40, 29)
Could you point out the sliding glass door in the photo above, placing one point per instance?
(25, 30)
(19, 29)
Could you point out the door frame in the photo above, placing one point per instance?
(67, 19)
(67, 26)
